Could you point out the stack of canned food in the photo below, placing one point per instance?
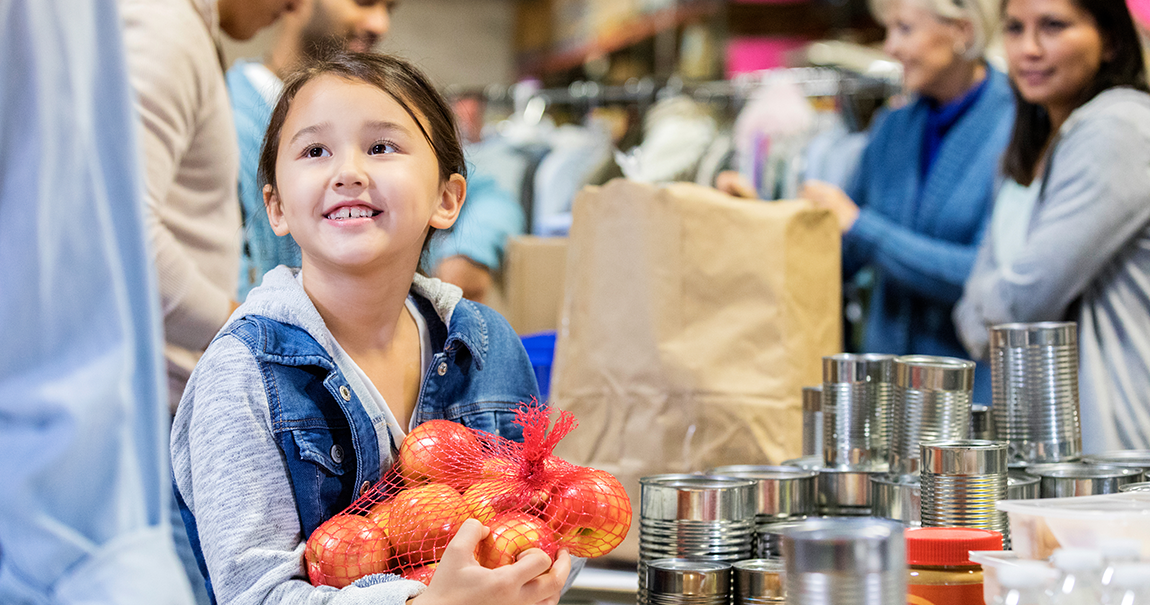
(889, 442)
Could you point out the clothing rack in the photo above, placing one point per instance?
(733, 93)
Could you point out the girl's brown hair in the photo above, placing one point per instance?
(399, 79)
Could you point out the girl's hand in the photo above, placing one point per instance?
(460, 579)
(830, 197)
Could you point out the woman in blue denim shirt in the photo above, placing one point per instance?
(300, 402)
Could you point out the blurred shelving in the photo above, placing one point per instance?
(610, 41)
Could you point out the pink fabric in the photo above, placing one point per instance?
(752, 54)
(1140, 10)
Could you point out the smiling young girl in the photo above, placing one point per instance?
(300, 402)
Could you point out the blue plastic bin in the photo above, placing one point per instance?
(541, 351)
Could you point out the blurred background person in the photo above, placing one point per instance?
(87, 488)
(922, 196)
(190, 158)
(1070, 238)
(466, 257)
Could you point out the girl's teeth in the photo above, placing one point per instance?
(348, 212)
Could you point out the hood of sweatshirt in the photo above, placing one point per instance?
(281, 297)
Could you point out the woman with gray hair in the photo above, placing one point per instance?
(919, 203)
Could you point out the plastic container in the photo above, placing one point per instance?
(939, 569)
(992, 561)
(1026, 583)
(1130, 585)
(1081, 579)
(541, 352)
(1117, 551)
(1039, 527)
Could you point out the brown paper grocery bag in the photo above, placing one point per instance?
(691, 321)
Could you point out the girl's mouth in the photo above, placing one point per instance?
(351, 212)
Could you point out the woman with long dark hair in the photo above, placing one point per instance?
(1070, 236)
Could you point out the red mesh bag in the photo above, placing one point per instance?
(446, 474)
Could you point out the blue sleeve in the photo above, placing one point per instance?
(930, 267)
(489, 216)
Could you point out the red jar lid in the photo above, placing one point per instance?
(939, 546)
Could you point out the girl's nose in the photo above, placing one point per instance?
(350, 175)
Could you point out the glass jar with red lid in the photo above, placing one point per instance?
(939, 566)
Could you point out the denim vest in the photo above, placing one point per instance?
(478, 377)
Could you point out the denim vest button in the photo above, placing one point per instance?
(442, 369)
(345, 392)
(337, 453)
(363, 488)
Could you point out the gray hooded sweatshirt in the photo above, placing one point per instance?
(233, 476)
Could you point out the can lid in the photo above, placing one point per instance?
(948, 545)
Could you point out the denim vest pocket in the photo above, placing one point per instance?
(321, 463)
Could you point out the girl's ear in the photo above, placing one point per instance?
(275, 210)
(450, 202)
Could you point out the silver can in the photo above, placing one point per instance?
(1086, 480)
(696, 517)
(1034, 375)
(845, 492)
(962, 481)
(898, 498)
(1124, 458)
(981, 422)
(782, 493)
(857, 394)
(687, 582)
(932, 403)
(813, 421)
(1021, 485)
(758, 581)
(845, 561)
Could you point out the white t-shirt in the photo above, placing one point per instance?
(377, 408)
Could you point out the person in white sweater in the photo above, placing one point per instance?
(190, 159)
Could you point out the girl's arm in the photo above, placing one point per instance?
(1096, 201)
(234, 478)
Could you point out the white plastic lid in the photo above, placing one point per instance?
(1025, 574)
(1120, 549)
(1076, 559)
(1130, 575)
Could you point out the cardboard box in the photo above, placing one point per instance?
(533, 274)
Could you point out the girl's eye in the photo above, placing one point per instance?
(315, 151)
(1053, 25)
(1013, 27)
(382, 147)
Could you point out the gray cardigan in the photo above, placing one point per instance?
(1086, 258)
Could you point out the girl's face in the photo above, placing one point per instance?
(928, 48)
(357, 182)
(1053, 50)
